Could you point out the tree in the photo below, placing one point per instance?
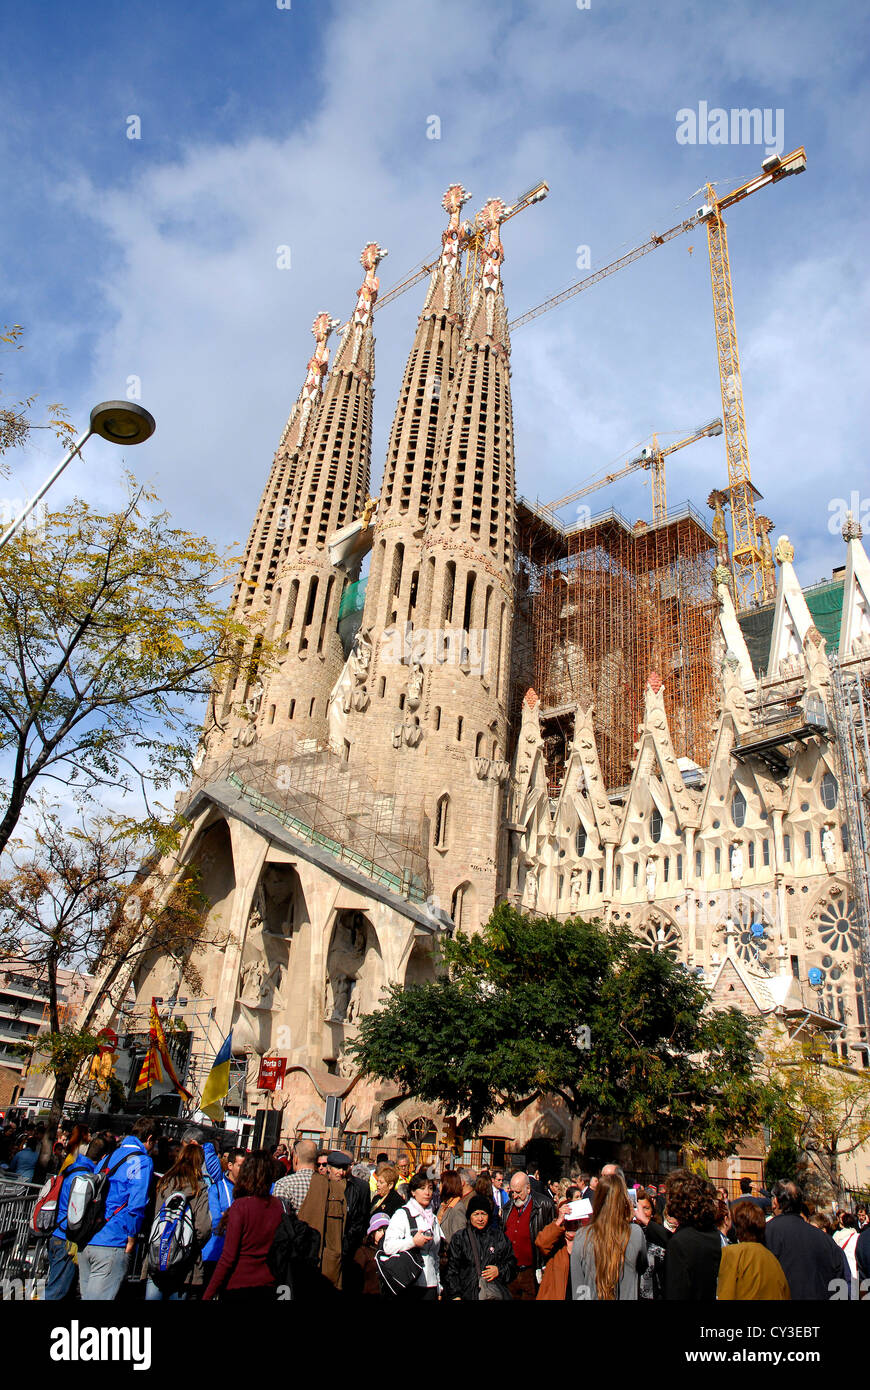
(109, 642)
(69, 902)
(15, 425)
(536, 1007)
(820, 1100)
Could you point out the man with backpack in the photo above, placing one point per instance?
(61, 1267)
(117, 1210)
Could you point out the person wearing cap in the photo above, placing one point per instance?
(365, 1256)
(337, 1207)
(555, 1243)
(479, 1255)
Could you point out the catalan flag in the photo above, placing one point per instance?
(150, 1075)
(217, 1083)
(158, 1041)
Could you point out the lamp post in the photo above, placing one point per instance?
(121, 422)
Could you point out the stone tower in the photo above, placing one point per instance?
(378, 700)
(332, 481)
(256, 581)
(467, 605)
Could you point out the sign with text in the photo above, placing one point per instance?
(272, 1072)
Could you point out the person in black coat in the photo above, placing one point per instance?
(811, 1260)
(480, 1251)
(691, 1271)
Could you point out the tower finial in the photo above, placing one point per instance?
(489, 220)
(311, 392)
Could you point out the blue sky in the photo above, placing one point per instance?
(307, 127)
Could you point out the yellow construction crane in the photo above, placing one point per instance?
(746, 551)
(651, 458)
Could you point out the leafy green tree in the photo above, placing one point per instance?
(110, 642)
(535, 1007)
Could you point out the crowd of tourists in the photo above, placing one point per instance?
(234, 1226)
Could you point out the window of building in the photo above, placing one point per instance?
(765, 852)
(382, 686)
(634, 875)
(795, 967)
(667, 867)
(808, 843)
(699, 863)
(751, 849)
(601, 880)
(830, 791)
(311, 707)
(437, 717)
(580, 841)
(679, 866)
(459, 729)
(717, 861)
(738, 808)
(619, 875)
(655, 825)
(786, 848)
(292, 710)
(844, 835)
(441, 811)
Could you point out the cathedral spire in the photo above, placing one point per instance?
(262, 553)
(357, 348)
(309, 397)
(487, 316)
(445, 285)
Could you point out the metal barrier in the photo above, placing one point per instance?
(23, 1255)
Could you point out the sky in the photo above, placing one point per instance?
(155, 264)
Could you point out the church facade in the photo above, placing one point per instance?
(388, 776)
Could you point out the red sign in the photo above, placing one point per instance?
(272, 1072)
(108, 1039)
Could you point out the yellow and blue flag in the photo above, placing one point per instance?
(217, 1083)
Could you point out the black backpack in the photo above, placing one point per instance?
(86, 1208)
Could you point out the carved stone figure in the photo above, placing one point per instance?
(829, 848)
(415, 684)
(254, 698)
(737, 868)
(361, 657)
(531, 893)
(651, 875)
(576, 888)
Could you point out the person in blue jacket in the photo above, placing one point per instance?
(61, 1267)
(104, 1260)
(220, 1197)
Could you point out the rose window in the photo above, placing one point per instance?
(838, 925)
(660, 936)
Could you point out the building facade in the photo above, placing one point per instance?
(577, 722)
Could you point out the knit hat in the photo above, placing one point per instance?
(478, 1203)
(377, 1221)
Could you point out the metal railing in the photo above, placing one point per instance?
(23, 1255)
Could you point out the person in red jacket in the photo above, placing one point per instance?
(242, 1273)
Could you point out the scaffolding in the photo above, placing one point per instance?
(607, 603)
(332, 806)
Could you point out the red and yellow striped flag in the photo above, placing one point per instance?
(158, 1041)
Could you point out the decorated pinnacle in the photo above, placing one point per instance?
(852, 530)
(371, 256)
(784, 552)
(322, 326)
(453, 202)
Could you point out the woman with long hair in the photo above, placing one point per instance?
(185, 1177)
(242, 1273)
(451, 1213)
(608, 1255)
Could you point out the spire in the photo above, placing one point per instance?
(487, 317)
(445, 285)
(266, 540)
(357, 348)
(312, 390)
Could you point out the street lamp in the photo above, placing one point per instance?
(121, 422)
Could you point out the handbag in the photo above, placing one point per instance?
(401, 1271)
(488, 1290)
